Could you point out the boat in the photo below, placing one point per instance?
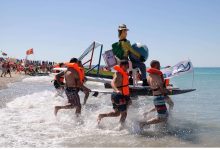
(105, 77)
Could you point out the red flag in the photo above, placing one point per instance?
(30, 51)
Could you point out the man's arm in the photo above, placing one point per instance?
(161, 87)
(77, 79)
(128, 48)
(115, 79)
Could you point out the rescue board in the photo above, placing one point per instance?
(146, 91)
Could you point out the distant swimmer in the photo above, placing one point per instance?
(156, 82)
(121, 95)
(59, 81)
(74, 81)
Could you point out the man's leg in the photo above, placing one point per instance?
(152, 121)
(151, 110)
(123, 117)
(78, 110)
(86, 92)
(111, 114)
(57, 108)
(169, 101)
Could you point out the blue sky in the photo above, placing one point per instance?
(173, 30)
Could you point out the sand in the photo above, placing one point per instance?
(4, 81)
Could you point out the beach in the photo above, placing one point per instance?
(4, 81)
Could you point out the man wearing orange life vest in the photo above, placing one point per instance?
(156, 82)
(74, 81)
(121, 95)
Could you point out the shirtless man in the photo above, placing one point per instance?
(73, 84)
(157, 85)
(121, 95)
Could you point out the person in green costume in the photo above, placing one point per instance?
(122, 49)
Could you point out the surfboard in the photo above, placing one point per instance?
(146, 91)
(60, 69)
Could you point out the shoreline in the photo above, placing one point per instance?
(4, 81)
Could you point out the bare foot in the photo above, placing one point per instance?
(56, 110)
(99, 119)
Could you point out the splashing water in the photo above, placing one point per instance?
(27, 120)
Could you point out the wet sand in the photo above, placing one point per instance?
(4, 81)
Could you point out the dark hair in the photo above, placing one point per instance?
(124, 62)
(153, 63)
(73, 60)
(60, 64)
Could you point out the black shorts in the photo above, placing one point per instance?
(120, 101)
(73, 96)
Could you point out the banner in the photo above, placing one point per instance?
(178, 69)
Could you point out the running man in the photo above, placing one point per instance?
(74, 81)
(156, 82)
(121, 95)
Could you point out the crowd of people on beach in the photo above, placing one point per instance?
(27, 67)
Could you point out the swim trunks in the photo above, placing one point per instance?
(73, 96)
(119, 101)
(159, 103)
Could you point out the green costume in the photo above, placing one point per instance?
(122, 48)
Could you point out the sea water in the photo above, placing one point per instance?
(27, 119)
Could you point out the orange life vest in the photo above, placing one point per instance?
(78, 70)
(155, 71)
(82, 72)
(125, 80)
(167, 82)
